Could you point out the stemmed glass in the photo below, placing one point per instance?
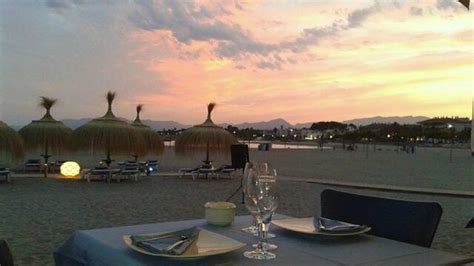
(252, 229)
(262, 201)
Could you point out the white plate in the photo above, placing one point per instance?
(305, 226)
(207, 244)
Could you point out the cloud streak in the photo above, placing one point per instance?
(189, 23)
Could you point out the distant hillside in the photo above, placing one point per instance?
(404, 120)
(156, 125)
(271, 124)
(75, 123)
(304, 125)
(275, 123)
(160, 125)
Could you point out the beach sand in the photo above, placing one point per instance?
(38, 215)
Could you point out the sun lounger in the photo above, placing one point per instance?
(56, 166)
(6, 173)
(130, 170)
(151, 166)
(207, 171)
(184, 171)
(103, 172)
(32, 165)
(226, 169)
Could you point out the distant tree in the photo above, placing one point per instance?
(329, 125)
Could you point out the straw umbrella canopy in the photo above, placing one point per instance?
(153, 141)
(109, 134)
(465, 3)
(207, 137)
(11, 144)
(47, 134)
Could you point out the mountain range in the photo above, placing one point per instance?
(271, 124)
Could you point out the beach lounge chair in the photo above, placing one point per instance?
(130, 170)
(56, 166)
(207, 171)
(184, 171)
(32, 165)
(151, 167)
(6, 173)
(6, 258)
(228, 170)
(405, 221)
(103, 172)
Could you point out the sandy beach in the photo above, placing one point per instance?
(39, 214)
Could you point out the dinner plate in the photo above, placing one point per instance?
(206, 244)
(305, 226)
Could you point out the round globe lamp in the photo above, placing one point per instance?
(70, 169)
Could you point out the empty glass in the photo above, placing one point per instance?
(253, 229)
(262, 201)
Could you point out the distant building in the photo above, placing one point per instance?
(311, 134)
(458, 123)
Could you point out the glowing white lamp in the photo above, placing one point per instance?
(70, 169)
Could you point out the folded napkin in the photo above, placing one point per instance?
(329, 225)
(173, 243)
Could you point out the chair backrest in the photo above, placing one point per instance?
(406, 221)
(32, 161)
(6, 258)
(470, 224)
(240, 155)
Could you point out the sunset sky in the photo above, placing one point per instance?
(259, 60)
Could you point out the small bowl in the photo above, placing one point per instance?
(220, 213)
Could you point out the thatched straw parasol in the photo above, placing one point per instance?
(109, 134)
(47, 134)
(465, 3)
(11, 144)
(207, 137)
(153, 141)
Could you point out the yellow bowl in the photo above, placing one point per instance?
(220, 213)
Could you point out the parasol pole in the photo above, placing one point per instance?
(46, 157)
(207, 153)
(108, 160)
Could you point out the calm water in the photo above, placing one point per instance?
(274, 146)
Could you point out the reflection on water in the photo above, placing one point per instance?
(274, 146)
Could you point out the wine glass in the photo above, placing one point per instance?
(261, 188)
(252, 229)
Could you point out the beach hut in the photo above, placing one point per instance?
(11, 144)
(206, 137)
(152, 139)
(109, 134)
(48, 135)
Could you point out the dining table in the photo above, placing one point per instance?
(105, 246)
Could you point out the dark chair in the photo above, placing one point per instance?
(470, 224)
(6, 258)
(405, 221)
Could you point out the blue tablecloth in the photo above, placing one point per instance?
(106, 247)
